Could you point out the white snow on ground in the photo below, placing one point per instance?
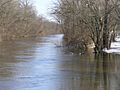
(115, 47)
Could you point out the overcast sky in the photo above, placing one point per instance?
(44, 6)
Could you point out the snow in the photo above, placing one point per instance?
(115, 47)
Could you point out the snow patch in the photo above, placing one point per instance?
(115, 46)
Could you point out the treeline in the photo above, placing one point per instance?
(86, 22)
(50, 28)
(19, 19)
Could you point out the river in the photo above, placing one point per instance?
(41, 64)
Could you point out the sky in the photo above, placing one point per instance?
(43, 7)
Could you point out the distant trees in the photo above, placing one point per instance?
(50, 28)
(18, 19)
(29, 22)
(88, 21)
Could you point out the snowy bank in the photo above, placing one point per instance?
(115, 47)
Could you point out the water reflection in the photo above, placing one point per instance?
(40, 65)
(106, 72)
(99, 74)
(13, 53)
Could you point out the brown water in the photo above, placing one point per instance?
(40, 65)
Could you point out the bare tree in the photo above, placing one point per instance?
(18, 19)
(84, 20)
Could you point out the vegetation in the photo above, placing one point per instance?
(19, 19)
(86, 22)
(49, 28)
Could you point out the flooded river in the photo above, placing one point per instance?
(42, 65)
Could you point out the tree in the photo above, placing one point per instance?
(18, 19)
(88, 20)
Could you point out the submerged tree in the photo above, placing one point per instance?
(88, 21)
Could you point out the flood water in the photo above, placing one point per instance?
(42, 65)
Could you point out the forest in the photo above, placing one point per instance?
(19, 19)
(87, 23)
